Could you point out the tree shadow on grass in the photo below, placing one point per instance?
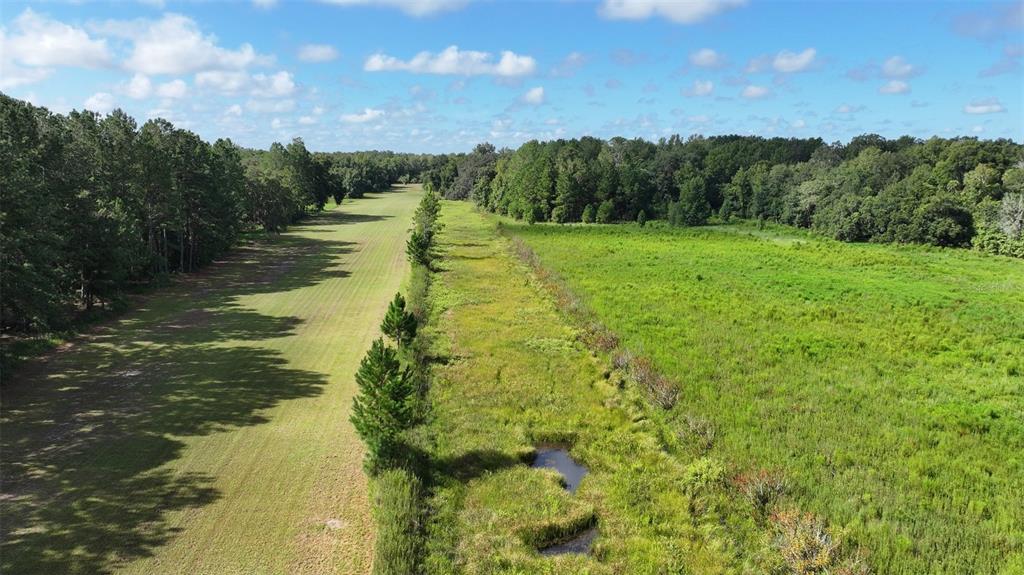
(88, 431)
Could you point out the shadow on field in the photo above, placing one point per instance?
(87, 431)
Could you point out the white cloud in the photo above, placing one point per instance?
(897, 67)
(707, 58)
(226, 81)
(271, 106)
(39, 41)
(139, 87)
(534, 96)
(452, 61)
(987, 106)
(175, 45)
(101, 102)
(682, 12)
(894, 87)
(172, 89)
(233, 110)
(307, 120)
(411, 7)
(317, 53)
(755, 92)
(701, 88)
(318, 110)
(798, 124)
(787, 62)
(276, 85)
(367, 115)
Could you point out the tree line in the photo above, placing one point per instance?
(93, 206)
(946, 192)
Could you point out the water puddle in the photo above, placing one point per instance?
(578, 544)
(557, 458)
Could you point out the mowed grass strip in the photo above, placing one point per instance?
(509, 373)
(207, 431)
(886, 383)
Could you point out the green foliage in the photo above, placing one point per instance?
(397, 496)
(419, 246)
(872, 378)
(641, 218)
(872, 189)
(384, 408)
(589, 214)
(399, 324)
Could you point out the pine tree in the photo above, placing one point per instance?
(383, 409)
(418, 248)
(399, 324)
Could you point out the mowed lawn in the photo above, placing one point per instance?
(885, 383)
(206, 432)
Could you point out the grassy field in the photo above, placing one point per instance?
(207, 430)
(509, 373)
(886, 384)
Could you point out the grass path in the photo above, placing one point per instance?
(207, 431)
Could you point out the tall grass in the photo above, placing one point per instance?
(883, 383)
(397, 511)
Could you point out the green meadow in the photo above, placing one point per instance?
(206, 431)
(883, 384)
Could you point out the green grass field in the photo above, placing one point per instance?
(206, 432)
(885, 383)
(510, 373)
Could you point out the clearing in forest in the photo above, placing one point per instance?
(207, 430)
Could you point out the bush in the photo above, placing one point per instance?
(762, 488)
(418, 248)
(384, 407)
(605, 212)
(399, 324)
(641, 218)
(588, 214)
(397, 496)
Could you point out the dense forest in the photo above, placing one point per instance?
(93, 206)
(945, 192)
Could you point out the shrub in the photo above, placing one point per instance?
(384, 407)
(762, 488)
(809, 547)
(641, 218)
(588, 214)
(418, 248)
(399, 324)
(700, 432)
(605, 212)
(397, 495)
(661, 390)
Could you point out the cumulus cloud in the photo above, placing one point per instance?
(139, 87)
(700, 88)
(317, 53)
(307, 120)
(276, 85)
(707, 58)
(367, 115)
(787, 62)
(270, 106)
(174, 89)
(43, 42)
(534, 96)
(411, 7)
(230, 82)
(233, 110)
(986, 106)
(755, 92)
(175, 45)
(101, 102)
(682, 12)
(452, 61)
(894, 87)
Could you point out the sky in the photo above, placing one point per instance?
(444, 75)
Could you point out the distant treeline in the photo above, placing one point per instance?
(946, 192)
(93, 205)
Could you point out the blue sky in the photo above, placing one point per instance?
(443, 75)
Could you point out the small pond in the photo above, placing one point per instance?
(557, 458)
(578, 544)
